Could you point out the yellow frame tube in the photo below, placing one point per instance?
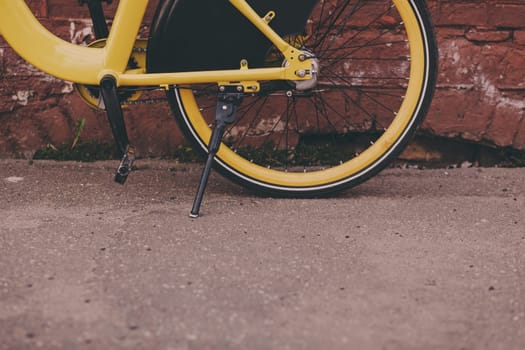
(87, 65)
(24, 33)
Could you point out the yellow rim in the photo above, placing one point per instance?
(354, 166)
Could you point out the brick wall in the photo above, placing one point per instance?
(481, 87)
(36, 109)
(480, 95)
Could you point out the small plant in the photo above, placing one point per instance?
(78, 131)
(80, 151)
(186, 154)
(84, 151)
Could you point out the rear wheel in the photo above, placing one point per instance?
(377, 70)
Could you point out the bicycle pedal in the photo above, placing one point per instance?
(126, 165)
(120, 179)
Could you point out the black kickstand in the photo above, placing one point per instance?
(108, 90)
(227, 103)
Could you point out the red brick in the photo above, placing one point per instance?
(71, 9)
(468, 119)
(519, 136)
(156, 135)
(21, 134)
(6, 103)
(39, 7)
(506, 121)
(472, 13)
(488, 36)
(519, 37)
(459, 61)
(511, 69)
(55, 125)
(96, 127)
(444, 33)
(506, 15)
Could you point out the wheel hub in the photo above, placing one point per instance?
(309, 84)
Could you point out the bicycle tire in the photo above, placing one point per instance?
(377, 72)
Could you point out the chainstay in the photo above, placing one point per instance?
(146, 101)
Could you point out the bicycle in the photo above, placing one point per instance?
(292, 98)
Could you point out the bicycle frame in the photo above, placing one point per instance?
(87, 65)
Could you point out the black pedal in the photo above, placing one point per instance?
(126, 165)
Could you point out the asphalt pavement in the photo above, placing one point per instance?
(412, 259)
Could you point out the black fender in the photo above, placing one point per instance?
(200, 35)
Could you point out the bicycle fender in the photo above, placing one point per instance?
(200, 35)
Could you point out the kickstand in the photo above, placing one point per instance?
(228, 100)
(111, 103)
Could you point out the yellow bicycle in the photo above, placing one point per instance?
(293, 98)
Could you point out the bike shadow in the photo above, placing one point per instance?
(408, 183)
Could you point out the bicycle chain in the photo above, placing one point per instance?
(146, 101)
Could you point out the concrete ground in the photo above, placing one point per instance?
(412, 259)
